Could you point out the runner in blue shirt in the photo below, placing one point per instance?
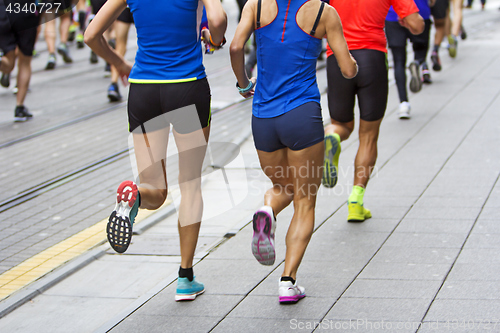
(287, 124)
(168, 86)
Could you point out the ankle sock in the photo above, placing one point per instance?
(357, 194)
(186, 273)
(288, 278)
(436, 48)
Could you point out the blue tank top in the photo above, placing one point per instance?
(286, 63)
(168, 39)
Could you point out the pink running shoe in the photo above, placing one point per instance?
(290, 293)
(264, 225)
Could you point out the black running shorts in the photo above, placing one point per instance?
(126, 16)
(371, 85)
(397, 34)
(296, 129)
(151, 100)
(96, 5)
(20, 32)
(439, 9)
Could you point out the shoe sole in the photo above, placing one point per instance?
(66, 57)
(5, 81)
(51, 65)
(415, 81)
(452, 49)
(114, 97)
(20, 119)
(80, 45)
(355, 218)
(119, 227)
(427, 79)
(435, 63)
(404, 116)
(262, 247)
(290, 299)
(330, 175)
(189, 297)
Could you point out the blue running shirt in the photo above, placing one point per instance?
(168, 37)
(286, 62)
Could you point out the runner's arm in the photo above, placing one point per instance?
(413, 22)
(237, 50)
(94, 35)
(336, 40)
(217, 20)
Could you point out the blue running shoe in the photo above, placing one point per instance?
(119, 227)
(264, 226)
(114, 93)
(188, 290)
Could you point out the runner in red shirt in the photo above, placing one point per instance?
(363, 22)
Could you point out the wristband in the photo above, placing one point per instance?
(247, 89)
(221, 43)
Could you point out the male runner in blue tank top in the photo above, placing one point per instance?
(168, 85)
(287, 124)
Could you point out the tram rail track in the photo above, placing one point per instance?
(64, 178)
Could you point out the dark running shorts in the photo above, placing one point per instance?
(297, 129)
(438, 11)
(125, 16)
(21, 32)
(151, 100)
(397, 35)
(370, 85)
(96, 5)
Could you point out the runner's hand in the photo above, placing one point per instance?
(205, 34)
(124, 70)
(251, 91)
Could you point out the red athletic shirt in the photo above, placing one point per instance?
(363, 21)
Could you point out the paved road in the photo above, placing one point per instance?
(429, 254)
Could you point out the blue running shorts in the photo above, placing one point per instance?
(297, 129)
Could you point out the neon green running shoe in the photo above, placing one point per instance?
(79, 41)
(72, 32)
(357, 213)
(452, 46)
(331, 163)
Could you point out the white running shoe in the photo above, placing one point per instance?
(404, 110)
(264, 225)
(290, 293)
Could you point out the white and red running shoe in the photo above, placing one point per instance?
(119, 227)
